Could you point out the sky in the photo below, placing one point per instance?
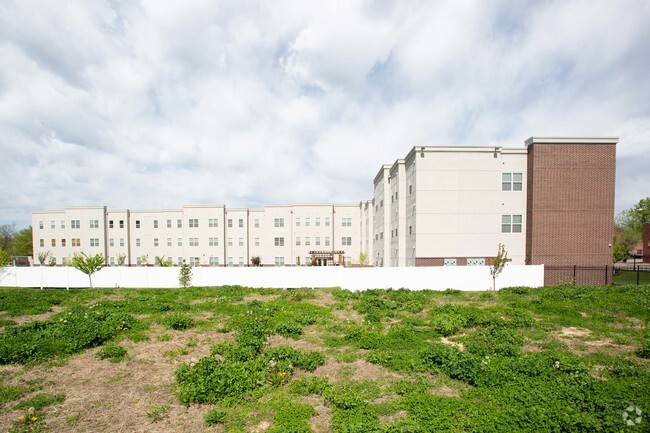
(158, 104)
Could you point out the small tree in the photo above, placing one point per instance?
(256, 260)
(4, 261)
(185, 275)
(363, 259)
(498, 263)
(88, 264)
(162, 261)
(43, 256)
(121, 259)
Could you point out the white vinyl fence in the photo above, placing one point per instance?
(417, 278)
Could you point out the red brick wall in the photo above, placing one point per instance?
(570, 203)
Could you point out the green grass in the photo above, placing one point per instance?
(521, 359)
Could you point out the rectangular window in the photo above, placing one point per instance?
(94, 242)
(307, 223)
(213, 222)
(193, 222)
(194, 242)
(40, 225)
(297, 221)
(346, 222)
(410, 230)
(230, 222)
(279, 242)
(121, 242)
(214, 261)
(137, 224)
(476, 262)
(511, 181)
(112, 261)
(346, 241)
(257, 242)
(111, 242)
(257, 223)
(179, 261)
(62, 224)
(241, 242)
(194, 261)
(317, 241)
(213, 242)
(229, 261)
(179, 242)
(121, 224)
(449, 262)
(52, 225)
(241, 261)
(381, 235)
(74, 224)
(241, 222)
(279, 261)
(76, 242)
(169, 242)
(155, 242)
(278, 222)
(155, 224)
(110, 224)
(327, 221)
(317, 221)
(297, 241)
(327, 241)
(230, 242)
(179, 224)
(63, 242)
(307, 241)
(511, 223)
(137, 242)
(53, 242)
(169, 224)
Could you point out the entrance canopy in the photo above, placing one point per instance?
(326, 258)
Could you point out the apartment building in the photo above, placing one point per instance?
(550, 202)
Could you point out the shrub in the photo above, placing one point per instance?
(178, 322)
(112, 352)
(215, 417)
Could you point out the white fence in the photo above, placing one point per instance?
(418, 278)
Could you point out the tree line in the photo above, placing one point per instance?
(14, 242)
(629, 228)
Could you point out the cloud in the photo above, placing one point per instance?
(149, 104)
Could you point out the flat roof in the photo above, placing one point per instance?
(572, 140)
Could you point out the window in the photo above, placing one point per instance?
(278, 222)
(241, 242)
(179, 242)
(279, 261)
(76, 242)
(155, 242)
(214, 261)
(169, 224)
(137, 242)
(40, 225)
(52, 225)
(121, 224)
(257, 223)
(410, 189)
(449, 262)
(327, 221)
(307, 260)
(346, 222)
(241, 222)
(475, 262)
(94, 242)
(111, 242)
(241, 261)
(410, 230)
(297, 221)
(110, 224)
(213, 222)
(279, 242)
(307, 223)
(63, 242)
(381, 235)
(112, 261)
(179, 261)
(230, 242)
(155, 224)
(74, 224)
(511, 181)
(511, 223)
(230, 222)
(213, 242)
(346, 241)
(317, 222)
(307, 241)
(169, 242)
(194, 261)
(297, 241)
(137, 224)
(62, 224)
(193, 222)
(121, 242)
(179, 223)
(327, 241)
(317, 241)
(229, 261)
(53, 242)
(257, 242)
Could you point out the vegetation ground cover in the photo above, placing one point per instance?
(234, 359)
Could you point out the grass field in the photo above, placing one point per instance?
(232, 359)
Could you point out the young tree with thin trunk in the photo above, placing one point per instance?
(498, 263)
(88, 264)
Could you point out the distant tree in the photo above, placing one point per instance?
(23, 244)
(621, 251)
(7, 235)
(89, 265)
(162, 261)
(498, 263)
(256, 260)
(363, 259)
(185, 275)
(4, 261)
(629, 226)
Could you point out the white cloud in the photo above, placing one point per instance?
(150, 104)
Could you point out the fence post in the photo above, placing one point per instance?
(606, 274)
(638, 268)
(575, 281)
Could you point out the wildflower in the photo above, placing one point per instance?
(557, 364)
(31, 409)
(34, 418)
(21, 417)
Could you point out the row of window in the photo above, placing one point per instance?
(74, 224)
(509, 224)
(75, 242)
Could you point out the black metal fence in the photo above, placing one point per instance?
(632, 273)
(597, 275)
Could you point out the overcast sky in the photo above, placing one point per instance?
(156, 104)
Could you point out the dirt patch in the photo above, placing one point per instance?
(257, 297)
(277, 340)
(459, 345)
(21, 320)
(445, 391)
(323, 299)
(578, 342)
(531, 348)
(387, 419)
(350, 315)
(322, 421)
(261, 427)
(573, 332)
(357, 370)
